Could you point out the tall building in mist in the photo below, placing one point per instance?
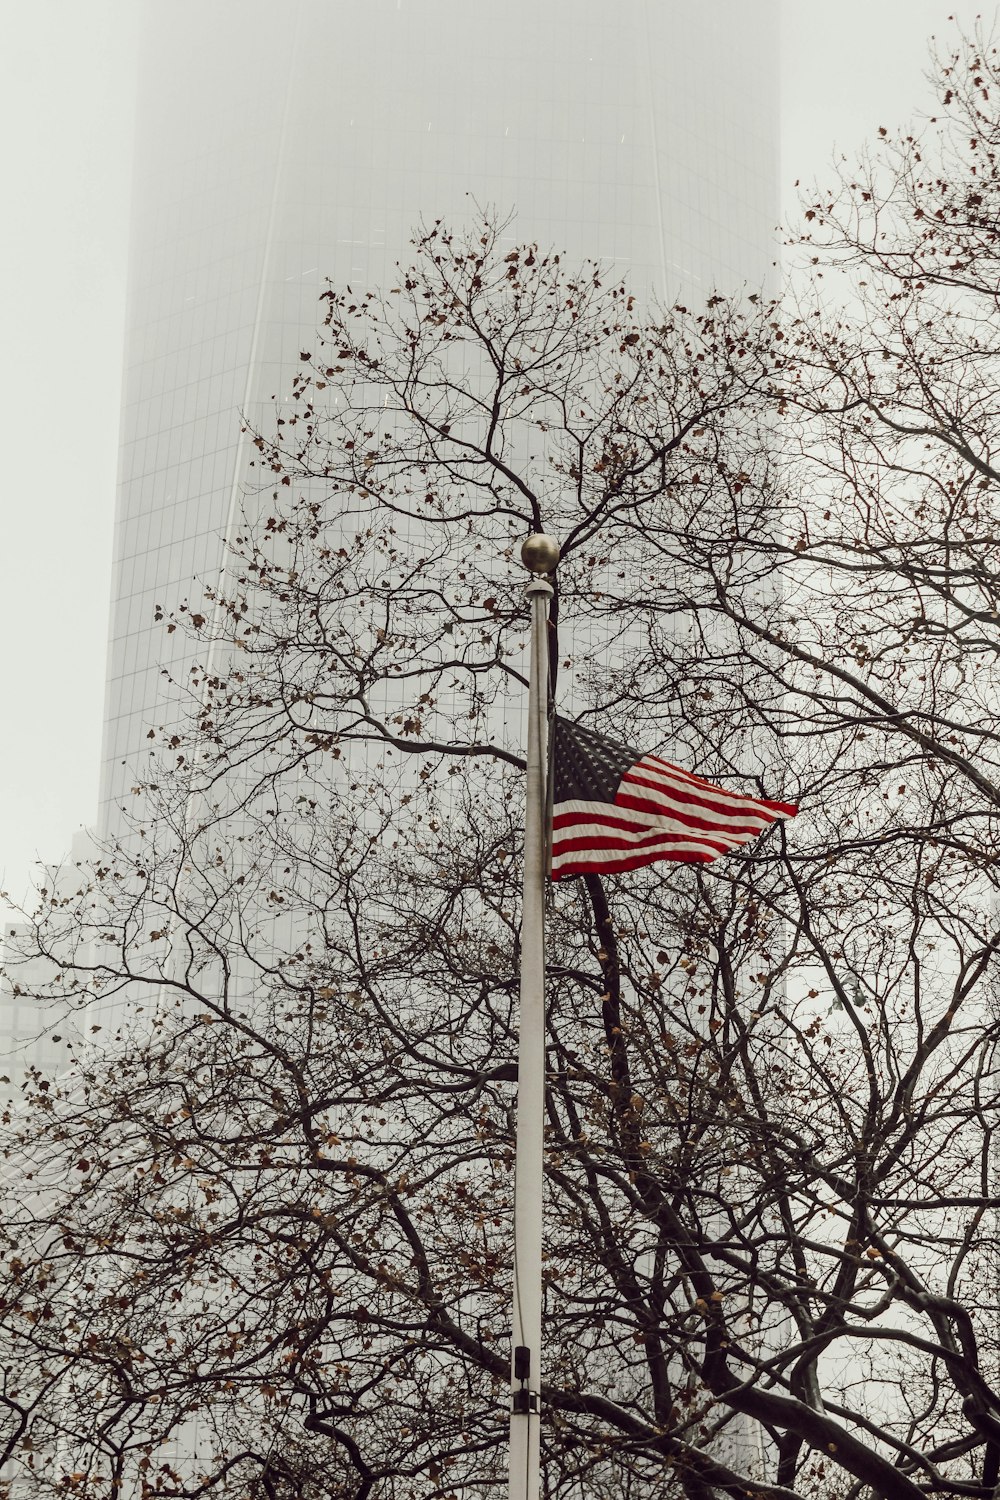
(278, 146)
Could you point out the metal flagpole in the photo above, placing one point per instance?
(540, 554)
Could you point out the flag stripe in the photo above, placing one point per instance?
(601, 862)
(593, 836)
(574, 847)
(622, 817)
(670, 782)
(697, 816)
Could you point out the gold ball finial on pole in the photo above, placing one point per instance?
(540, 553)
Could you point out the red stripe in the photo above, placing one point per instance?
(650, 811)
(603, 840)
(597, 866)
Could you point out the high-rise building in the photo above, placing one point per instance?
(281, 146)
(39, 1035)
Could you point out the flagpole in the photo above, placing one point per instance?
(540, 554)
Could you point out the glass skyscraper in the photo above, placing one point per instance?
(281, 146)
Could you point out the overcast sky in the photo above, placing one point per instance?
(66, 97)
(66, 94)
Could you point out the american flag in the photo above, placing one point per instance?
(616, 809)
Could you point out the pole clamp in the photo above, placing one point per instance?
(523, 1402)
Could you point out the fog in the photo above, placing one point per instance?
(67, 100)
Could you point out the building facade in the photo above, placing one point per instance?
(282, 147)
(279, 147)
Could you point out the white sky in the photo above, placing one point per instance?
(66, 90)
(66, 93)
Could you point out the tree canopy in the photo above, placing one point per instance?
(259, 1241)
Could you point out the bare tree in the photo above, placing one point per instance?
(270, 1223)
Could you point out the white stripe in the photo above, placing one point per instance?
(610, 858)
(645, 818)
(595, 836)
(584, 839)
(598, 811)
